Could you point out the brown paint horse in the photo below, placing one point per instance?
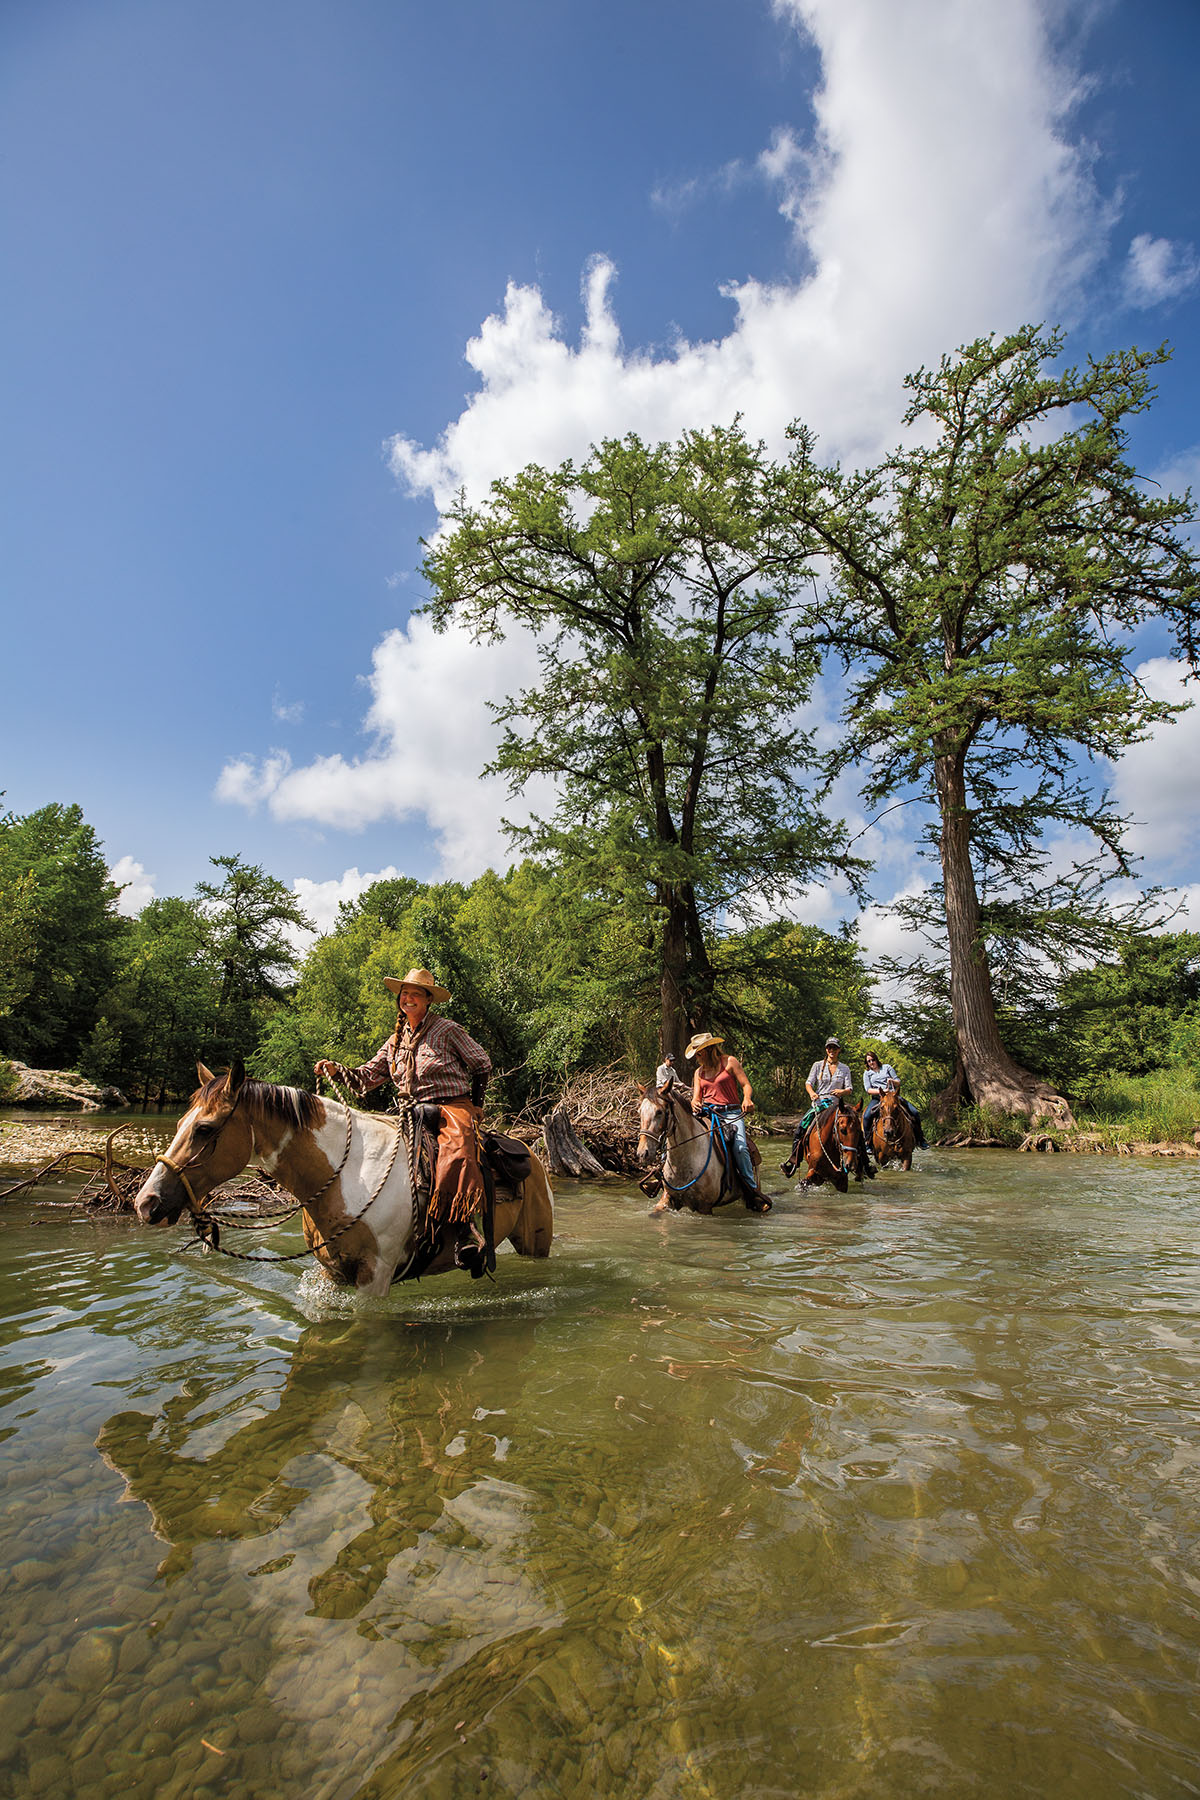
(834, 1148)
(892, 1136)
(346, 1168)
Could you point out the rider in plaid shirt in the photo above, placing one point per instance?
(434, 1060)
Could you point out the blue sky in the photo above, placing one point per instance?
(282, 276)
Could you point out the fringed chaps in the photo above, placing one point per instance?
(458, 1183)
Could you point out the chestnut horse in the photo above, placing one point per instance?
(348, 1170)
(892, 1136)
(833, 1148)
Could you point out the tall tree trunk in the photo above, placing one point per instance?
(700, 979)
(990, 1074)
(673, 1028)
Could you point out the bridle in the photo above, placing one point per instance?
(661, 1142)
(839, 1163)
(849, 1150)
(890, 1124)
(207, 1227)
(196, 1207)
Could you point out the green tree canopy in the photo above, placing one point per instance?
(669, 589)
(785, 987)
(988, 580)
(18, 920)
(64, 932)
(251, 920)
(161, 1013)
(1123, 1016)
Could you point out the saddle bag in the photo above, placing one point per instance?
(510, 1159)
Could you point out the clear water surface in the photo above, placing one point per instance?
(896, 1494)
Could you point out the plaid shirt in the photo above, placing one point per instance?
(446, 1059)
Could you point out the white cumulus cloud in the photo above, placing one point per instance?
(941, 197)
(320, 900)
(246, 782)
(1155, 782)
(137, 888)
(432, 734)
(1159, 269)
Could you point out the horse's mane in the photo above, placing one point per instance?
(265, 1102)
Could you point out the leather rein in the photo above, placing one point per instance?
(207, 1225)
(841, 1165)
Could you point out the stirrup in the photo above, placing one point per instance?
(470, 1254)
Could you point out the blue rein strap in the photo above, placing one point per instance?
(715, 1131)
(695, 1178)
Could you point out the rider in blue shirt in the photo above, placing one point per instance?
(877, 1079)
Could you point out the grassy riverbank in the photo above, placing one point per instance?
(1135, 1114)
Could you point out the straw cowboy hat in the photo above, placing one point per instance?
(417, 978)
(700, 1041)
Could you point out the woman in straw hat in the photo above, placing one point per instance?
(715, 1088)
(432, 1060)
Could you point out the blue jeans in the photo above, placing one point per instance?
(733, 1124)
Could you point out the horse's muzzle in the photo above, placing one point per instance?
(152, 1205)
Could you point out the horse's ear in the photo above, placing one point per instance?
(235, 1077)
(642, 1089)
(206, 1075)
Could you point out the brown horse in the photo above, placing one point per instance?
(892, 1136)
(349, 1170)
(833, 1147)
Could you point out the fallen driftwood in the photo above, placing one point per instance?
(566, 1153)
(112, 1185)
(590, 1128)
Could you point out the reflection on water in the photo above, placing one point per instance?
(897, 1493)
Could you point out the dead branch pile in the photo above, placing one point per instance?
(112, 1184)
(591, 1128)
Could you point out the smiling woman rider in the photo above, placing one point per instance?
(430, 1059)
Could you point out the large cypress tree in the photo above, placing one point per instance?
(668, 587)
(989, 579)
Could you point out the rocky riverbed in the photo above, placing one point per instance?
(32, 1143)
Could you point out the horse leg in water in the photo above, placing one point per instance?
(799, 1149)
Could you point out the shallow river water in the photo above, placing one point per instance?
(885, 1495)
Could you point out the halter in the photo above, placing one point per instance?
(841, 1166)
(195, 1207)
(846, 1149)
(208, 1226)
(891, 1127)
